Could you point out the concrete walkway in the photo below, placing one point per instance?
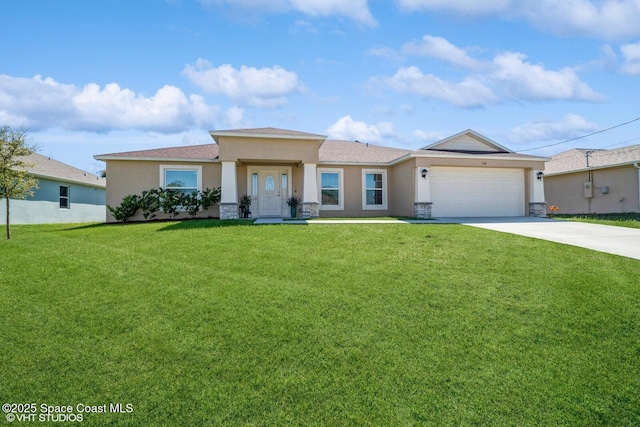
(604, 238)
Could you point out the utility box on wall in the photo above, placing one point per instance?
(588, 190)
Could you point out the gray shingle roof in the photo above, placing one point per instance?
(186, 152)
(576, 159)
(46, 167)
(358, 152)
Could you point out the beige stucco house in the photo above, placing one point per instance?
(583, 181)
(466, 174)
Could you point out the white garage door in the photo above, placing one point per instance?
(460, 192)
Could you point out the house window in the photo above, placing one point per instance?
(182, 178)
(374, 192)
(331, 189)
(254, 184)
(64, 197)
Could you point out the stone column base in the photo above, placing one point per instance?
(422, 210)
(229, 211)
(538, 210)
(310, 210)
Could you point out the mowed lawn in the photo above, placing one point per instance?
(330, 325)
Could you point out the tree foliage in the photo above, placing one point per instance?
(15, 181)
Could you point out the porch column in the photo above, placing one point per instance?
(422, 204)
(310, 204)
(228, 191)
(537, 205)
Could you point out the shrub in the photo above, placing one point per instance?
(150, 203)
(171, 202)
(209, 197)
(127, 208)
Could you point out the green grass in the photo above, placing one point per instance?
(631, 220)
(202, 323)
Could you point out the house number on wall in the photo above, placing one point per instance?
(484, 163)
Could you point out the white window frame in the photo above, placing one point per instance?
(164, 168)
(340, 205)
(67, 197)
(384, 205)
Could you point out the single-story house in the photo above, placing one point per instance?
(584, 181)
(65, 194)
(466, 174)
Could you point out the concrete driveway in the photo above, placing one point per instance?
(604, 238)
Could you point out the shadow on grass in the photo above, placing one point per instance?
(206, 223)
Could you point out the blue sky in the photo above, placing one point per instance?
(93, 77)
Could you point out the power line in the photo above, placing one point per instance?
(583, 136)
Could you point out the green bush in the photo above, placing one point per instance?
(170, 202)
(128, 208)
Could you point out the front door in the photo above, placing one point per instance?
(269, 193)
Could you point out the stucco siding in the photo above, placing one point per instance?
(353, 191)
(567, 191)
(402, 191)
(233, 148)
(86, 204)
(133, 177)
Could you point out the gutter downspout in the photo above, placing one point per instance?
(637, 166)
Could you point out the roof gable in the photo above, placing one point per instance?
(468, 141)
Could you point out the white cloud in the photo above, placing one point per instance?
(570, 126)
(235, 117)
(427, 136)
(264, 87)
(411, 80)
(44, 103)
(631, 55)
(507, 77)
(470, 7)
(518, 79)
(608, 19)
(350, 130)
(440, 48)
(356, 10)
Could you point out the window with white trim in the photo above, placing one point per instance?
(64, 197)
(181, 178)
(331, 183)
(374, 191)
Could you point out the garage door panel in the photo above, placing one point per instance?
(459, 192)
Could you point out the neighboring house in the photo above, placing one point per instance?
(64, 194)
(583, 181)
(463, 175)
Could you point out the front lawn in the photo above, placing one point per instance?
(208, 323)
(631, 220)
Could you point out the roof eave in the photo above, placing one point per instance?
(481, 157)
(615, 165)
(155, 159)
(309, 137)
(97, 184)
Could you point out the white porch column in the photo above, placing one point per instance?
(310, 202)
(422, 203)
(310, 193)
(228, 191)
(537, 205)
